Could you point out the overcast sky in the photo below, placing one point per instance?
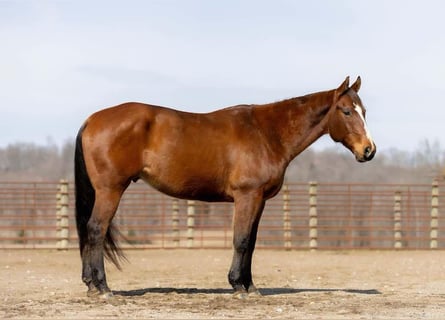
(60, 61)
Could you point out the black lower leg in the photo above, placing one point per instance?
(87, 276)
(242, 262)
(239, 274)
(98, 271)
(95, 271)
(250, 287)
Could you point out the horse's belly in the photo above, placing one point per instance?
(190, 187)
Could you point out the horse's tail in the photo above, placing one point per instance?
(85, 194)
(85, 198)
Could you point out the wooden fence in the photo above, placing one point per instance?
(302, 216)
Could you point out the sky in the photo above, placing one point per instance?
(60, 61)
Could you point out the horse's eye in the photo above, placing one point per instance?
(346, 112)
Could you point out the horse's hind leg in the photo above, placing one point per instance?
(93, 271)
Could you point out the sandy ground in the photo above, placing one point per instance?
(191, 284)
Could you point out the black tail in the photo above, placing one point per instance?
(85, 197)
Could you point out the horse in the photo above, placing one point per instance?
(237, 154)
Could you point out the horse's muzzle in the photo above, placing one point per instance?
(368, 153)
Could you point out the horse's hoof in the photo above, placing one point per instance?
(96, 293)
(255, 293)
(241, 295)
(93, 292)
(106, 295)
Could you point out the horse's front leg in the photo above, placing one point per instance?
(248, 209)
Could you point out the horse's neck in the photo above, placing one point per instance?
(298, 122)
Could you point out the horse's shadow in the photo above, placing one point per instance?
(263, 291)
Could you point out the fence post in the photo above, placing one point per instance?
(286, 218)
(434, 214)
(190, 222)
(58, 217)
(175, 222)
(313, 242)
(397, 220)
(63, 218)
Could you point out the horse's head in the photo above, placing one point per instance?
(347, 123)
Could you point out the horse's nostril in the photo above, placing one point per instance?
(368, 150)
(368, 153)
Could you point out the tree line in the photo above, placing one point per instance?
(31, 162)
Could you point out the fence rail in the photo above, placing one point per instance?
(302, 216)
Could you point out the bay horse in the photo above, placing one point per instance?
(237, 154)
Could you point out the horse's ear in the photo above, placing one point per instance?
(344, 86)
(356, 85)
(341, 89)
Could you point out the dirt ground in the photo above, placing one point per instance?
(192, 284)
